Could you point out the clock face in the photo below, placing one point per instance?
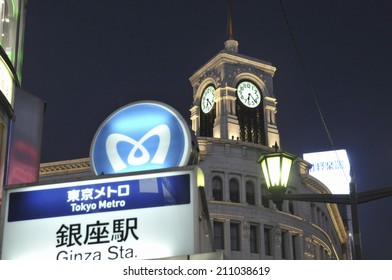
(208, 99)
(249, 94)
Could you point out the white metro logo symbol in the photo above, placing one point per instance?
(162, 131)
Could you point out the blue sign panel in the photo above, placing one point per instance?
(139, 137)
(99, 197)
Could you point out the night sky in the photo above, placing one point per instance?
(87, 58)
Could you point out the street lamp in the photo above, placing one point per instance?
(276, 169)
(200, 178)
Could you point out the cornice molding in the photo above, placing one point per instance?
(224, 57)
(64, 167)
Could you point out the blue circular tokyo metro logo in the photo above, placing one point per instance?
(141, 136)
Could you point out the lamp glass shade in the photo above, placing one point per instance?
(285, 170)
(200, 178)
(265, 173)
(276, 169)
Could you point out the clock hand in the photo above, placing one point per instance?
(253, 98)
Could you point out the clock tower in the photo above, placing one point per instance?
(233, 98)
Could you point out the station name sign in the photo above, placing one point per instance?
(129, 217)
(98, 197)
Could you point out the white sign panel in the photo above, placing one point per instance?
(332, 168)
(142, 216)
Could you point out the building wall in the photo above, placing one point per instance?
(299, 230)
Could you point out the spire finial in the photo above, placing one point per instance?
(230, 19)
(231, 45)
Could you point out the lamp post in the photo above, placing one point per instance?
(204, 206)
(276, 168)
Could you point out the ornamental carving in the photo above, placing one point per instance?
(213, 73)
(240, 68)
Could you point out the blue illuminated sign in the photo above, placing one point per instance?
(99, 197)
(139, 137)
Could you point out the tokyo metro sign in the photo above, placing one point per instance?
(141, 136)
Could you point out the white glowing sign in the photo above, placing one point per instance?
(143, 216)
(332, 168)
(6, 82)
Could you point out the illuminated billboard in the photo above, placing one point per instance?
(143, 216)
(332, 168)
(6, 82)
(25, 139)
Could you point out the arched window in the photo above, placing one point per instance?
(250, 118)
(313, 213)
(219, 235)
(217, 188)
(250, 192)
(264, 201)
(234, 187)
(207, 123)
(207, 111)
(291, 207)
(291, 204)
